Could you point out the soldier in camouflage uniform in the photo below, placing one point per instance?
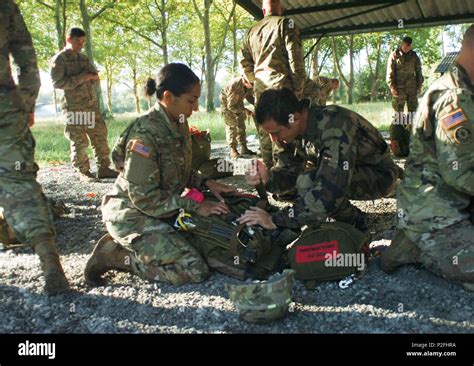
(436, 199)
(319, 89)
(352, 162)
(21, 197)
(76, 76)
(405, 78)
(272, 57)
(232, 107)
(153, 156)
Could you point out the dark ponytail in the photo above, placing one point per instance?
(278, 105)
(175, 77)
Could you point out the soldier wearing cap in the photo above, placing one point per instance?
(74, 74)
(405, 78)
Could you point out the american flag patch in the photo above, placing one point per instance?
(453, 119)
(141, 149)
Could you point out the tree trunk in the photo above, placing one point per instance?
(164, 32)
(350, 88)
(86, 24)
(210, 83)
(234, 45)
(135, 90)
(60, 20)
(109, 75)
(315, 63)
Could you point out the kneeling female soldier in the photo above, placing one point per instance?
(153, 156)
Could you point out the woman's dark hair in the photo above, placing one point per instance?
(279, 105)
(175, 77)
(76, 33)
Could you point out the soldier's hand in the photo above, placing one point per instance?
(218, 188)
(208, 208)
(394, 90)
(30, 119)
(257, 216)
(90, 76)
(256, 173)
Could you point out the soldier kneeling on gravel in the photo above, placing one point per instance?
(352, 162)
(436, 200)
(153, 156)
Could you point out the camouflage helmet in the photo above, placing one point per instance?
(265, 301)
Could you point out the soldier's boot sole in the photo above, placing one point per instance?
(107, 255)
(87, 177)
(106, 173)
(246, 151)
(401, 251)
(54, 277)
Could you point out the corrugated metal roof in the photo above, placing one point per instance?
(446, 62)
(336, 17)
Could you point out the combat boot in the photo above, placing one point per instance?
(55, 280)
(246, 151)
(107, 255)
(234, 154)
(106, 172)
(87, 177)
(401, 251)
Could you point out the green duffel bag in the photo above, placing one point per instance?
(331, 251)
(215, 168)
(236, 250)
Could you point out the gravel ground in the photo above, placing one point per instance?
(410, 301)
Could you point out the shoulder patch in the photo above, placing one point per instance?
(453, 119)
(140, 149)
(462, 135)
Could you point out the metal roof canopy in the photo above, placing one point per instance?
(338, 17)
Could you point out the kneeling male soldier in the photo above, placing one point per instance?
(436, 199)
(353, 162)
(73, 72)
(232, 105)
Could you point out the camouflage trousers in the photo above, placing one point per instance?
(368, 183)
(400, 129)
(235, 129)
(21, 197)
(448, 252)
(161, 253)
(79, 133)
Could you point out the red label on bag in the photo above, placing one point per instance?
(316, 252)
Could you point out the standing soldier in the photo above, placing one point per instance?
(272, 57)
(72, 72)
(21, 197)
(404, 77)
(234, 113)
(436, 198)
(319, 89)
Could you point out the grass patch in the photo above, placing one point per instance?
(53, 147)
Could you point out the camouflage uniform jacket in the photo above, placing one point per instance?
(404, 70)
(67, 70)
(16, 40)
(317, 90)
(272, 55)
(439, 173)
(153, 156)
(338, 140)
(232, 96)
